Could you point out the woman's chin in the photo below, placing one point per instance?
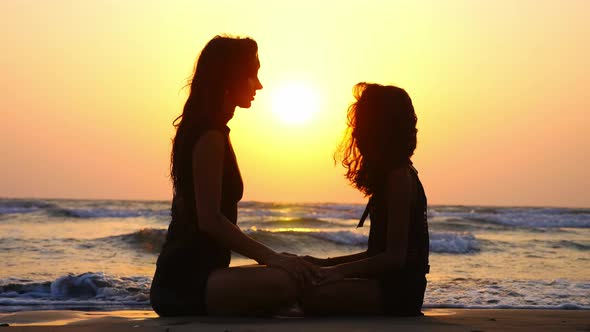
(245, 104)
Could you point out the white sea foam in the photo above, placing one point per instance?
(507, 293)
(564, 306)
(454, 243)
(99, 291)
(519, 217)
(440, 242)
(41, 241)
(341, 237)
(87, 289)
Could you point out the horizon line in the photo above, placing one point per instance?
(289, 202)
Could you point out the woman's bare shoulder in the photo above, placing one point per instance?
(210, 137)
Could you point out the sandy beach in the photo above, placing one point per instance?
(434, 320)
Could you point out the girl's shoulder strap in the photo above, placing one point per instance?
(365, 213)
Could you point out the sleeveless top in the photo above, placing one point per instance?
(186, 247)
(418, 241)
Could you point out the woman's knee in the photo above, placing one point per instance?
(279, 284)
(259, 282)
(264, 295)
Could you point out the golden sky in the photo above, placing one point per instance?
(89, 89)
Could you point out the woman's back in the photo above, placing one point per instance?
(188, 255)
(184, 237)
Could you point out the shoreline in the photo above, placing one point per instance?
(434, 319)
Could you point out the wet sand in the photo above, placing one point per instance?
(434, 320)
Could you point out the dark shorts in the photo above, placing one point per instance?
(403, 293)
(179, 292)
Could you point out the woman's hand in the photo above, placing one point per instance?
(301, 270)
(330, 274)
(311, 259)
(315, 260)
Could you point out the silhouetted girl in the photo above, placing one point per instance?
(376, 154)
(192, 275)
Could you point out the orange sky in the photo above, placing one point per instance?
(88, 91)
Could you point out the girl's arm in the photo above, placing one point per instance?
(207, 160)
(399, 189)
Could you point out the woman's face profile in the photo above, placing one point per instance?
(244, 89)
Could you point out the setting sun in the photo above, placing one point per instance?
(295, 102)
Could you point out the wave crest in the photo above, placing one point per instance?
(294, 240)
(453, 243)
(107, 213)
(92, 289)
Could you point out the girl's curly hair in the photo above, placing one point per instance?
(381, 135)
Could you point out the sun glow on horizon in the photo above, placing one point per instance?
(295, 102)
(495, 94)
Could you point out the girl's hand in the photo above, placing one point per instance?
(310, 259)
(303, 272)
(330, 274)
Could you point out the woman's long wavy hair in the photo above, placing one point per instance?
(222, 63)
(381, 135)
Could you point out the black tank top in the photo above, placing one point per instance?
(185, 244)
(418, 241)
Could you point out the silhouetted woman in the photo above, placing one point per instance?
(376, 153)
(192, 275)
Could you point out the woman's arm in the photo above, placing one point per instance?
(330, 261)
(399, 189)
(207, 160)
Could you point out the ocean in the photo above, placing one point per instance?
(101, 254)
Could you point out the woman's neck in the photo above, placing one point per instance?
(228, 111)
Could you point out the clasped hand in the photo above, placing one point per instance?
(305, 271)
